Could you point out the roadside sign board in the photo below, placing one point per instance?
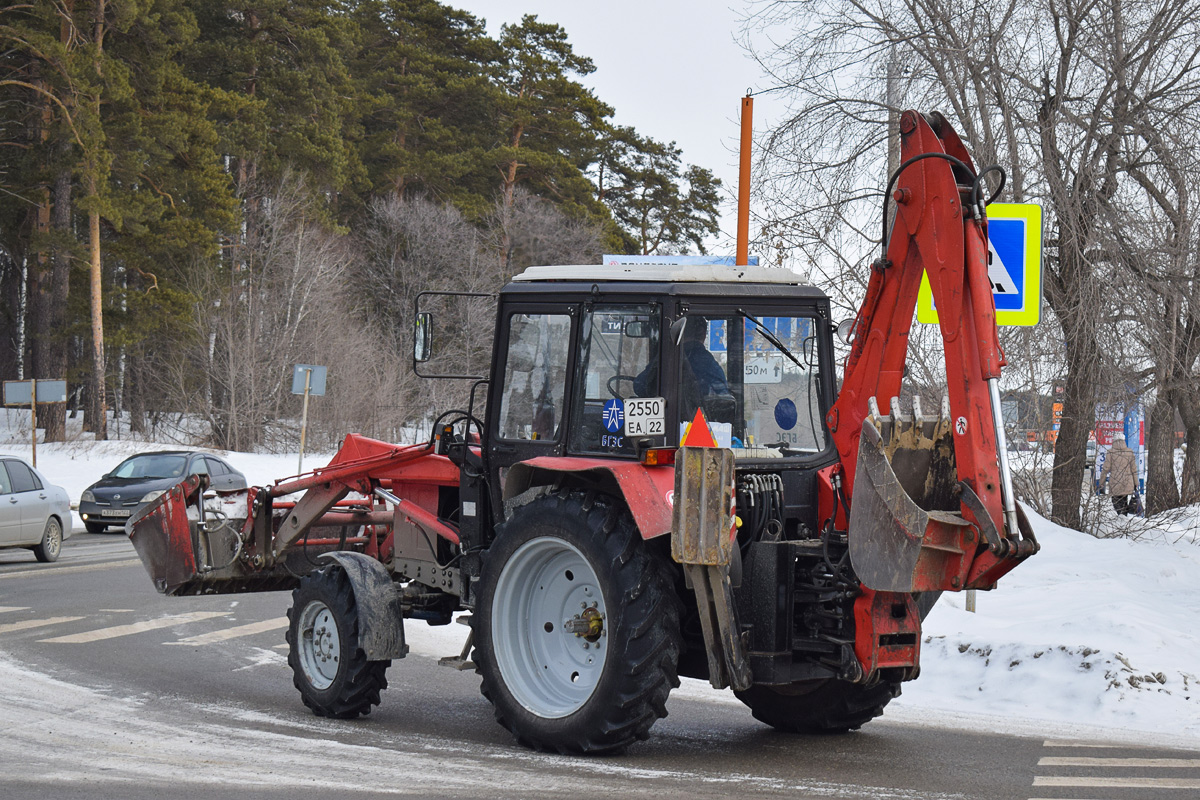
(20, 393)
(316, 384)
(1014, 266)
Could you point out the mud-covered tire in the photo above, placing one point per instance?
(565, 558)
(50, 546)
(829, 706)
(331, 671)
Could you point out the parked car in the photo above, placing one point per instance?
(34, 513)
(141, 478)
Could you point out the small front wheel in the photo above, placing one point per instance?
(576, 627)
(331, 671)
(820, 706)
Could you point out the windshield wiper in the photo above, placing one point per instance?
(770, 337)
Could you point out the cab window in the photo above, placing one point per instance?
(619, 400)
(535, 376)
(757, 398)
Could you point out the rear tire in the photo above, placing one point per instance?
(829, 706)
(595, 687)
(331, 671)
(48, 549)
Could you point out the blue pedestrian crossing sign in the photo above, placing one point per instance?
(1014, 266)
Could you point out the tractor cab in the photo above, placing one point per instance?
(615, 362)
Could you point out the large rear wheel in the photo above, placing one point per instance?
(576, 627)
(331, 671)
(828, 706)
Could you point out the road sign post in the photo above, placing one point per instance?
(25, 393)
(307, 379)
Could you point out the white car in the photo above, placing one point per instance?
(33, 512)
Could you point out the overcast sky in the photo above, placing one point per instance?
(671, 69)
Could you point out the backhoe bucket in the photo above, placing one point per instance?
(895, 542)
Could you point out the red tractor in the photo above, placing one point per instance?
(601, 550)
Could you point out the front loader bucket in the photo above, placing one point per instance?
(184, 555)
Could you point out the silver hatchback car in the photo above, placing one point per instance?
(33, 512)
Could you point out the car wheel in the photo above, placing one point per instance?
(48, 549)
(95, 527)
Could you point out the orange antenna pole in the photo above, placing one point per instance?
(743, 218)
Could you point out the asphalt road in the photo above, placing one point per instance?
(112, 691)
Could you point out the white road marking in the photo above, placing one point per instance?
(1117, 783)
(1084, 743)
(136, 627)
(1056, 761)
(13, 608)
(235, 632)
(26, 624)
(28, 573)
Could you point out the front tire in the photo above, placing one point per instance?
(576, 627)
(331, 671)
(95, 527)
(829, 706)
(50, 546)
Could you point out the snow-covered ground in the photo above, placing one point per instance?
(1099, 637)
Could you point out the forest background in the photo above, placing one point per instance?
(195, 195)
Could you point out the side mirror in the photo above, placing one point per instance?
(844, 329)
(422, 337)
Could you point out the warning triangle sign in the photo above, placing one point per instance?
(698, 433)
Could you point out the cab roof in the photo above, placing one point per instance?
(663, 273)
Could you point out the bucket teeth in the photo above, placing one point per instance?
(920, 449)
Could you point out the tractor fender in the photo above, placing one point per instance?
(380, 620)
(647, 491)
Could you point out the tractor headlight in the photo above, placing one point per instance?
(152, 496)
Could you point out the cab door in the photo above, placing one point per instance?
(527, 402)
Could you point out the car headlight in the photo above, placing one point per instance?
(87, 496)
(152, 496)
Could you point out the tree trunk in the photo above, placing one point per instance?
(51, 363)
(1162, 493)
(99, 411)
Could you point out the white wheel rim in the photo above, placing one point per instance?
(320, 647)
(546, 586)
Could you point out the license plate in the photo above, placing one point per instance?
(114, 512)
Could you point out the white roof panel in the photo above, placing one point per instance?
(662, 273)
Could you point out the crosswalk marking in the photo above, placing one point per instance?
(1117, 783)
(235, 632)
(1062, 761)
(28, 573)
(26, 624)
(1076, 743)
(136, 627)
(13, 608)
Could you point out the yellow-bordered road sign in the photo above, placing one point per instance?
(1014, 266)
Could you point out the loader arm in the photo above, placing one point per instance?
(949, 522)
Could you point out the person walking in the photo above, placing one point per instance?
(1120, 472)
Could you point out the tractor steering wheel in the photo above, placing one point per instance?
(615, 379)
